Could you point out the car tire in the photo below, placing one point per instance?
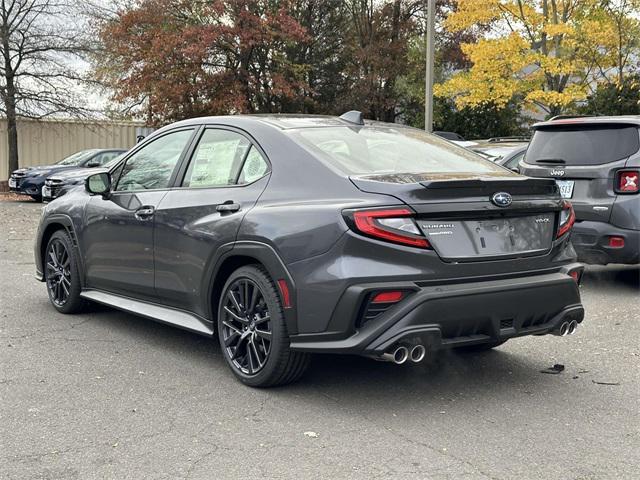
(62, 274)
(481, 347)
(256, 349)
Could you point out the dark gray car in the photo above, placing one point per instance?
(596, 161)
(287, 235)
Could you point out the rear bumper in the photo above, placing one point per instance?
(452, 315)
(591, 242)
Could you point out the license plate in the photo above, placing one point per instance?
(12, 183)
(46, 191)
(566, 188)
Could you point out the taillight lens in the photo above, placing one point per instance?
(567, 219)
(627, 181)
(392, 225)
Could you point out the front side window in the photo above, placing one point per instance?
(151, 166)
(390, 150)
(217, 159)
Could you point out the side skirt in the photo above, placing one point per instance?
(159, 313)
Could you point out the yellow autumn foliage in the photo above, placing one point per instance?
(546, 52)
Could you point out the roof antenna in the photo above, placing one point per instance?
(353, 116)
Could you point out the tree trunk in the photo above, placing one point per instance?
(9, 99)
(12, 139)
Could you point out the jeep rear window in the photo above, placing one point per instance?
(378, 149)
(582, 145)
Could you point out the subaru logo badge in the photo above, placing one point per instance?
(501, 199)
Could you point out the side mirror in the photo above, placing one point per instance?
(93, 163)
(98, 184)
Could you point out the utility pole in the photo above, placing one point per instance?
(430, 48)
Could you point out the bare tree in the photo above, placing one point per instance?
(40, 44)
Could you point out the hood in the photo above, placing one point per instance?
(42, 170)
(76, 173)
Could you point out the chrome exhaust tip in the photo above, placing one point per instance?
(573, 326)
(564, 329)
(417, 353)
(397, 356)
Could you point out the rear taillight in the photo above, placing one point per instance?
(627, 181)
(567, 219)
(392, 225)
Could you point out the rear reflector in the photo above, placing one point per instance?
(284, 292)
(576, 275)
(627, 181)
(391, 296)
(616, 242)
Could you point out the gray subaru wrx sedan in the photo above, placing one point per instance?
(288, 235)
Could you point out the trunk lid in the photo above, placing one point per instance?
(457, 215)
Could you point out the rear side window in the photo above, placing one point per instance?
(378, 149)
(582, 145)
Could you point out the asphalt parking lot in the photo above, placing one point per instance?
(109, 395)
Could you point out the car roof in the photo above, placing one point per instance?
(281, 121)
(603, 120)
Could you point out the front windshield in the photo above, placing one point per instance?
(390, 150)
(77, 157)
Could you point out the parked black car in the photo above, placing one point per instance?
(30, 180)
(286, 235)
(596, 161)
(60, 183)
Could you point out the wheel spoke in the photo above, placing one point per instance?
(236, 317)
(232, 296)
(266, 318)
(263, 334)
(229, 325)
(232, 340)
(255, 352)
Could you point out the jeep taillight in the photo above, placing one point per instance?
(390, 224)
(567, 219)
(627, 181)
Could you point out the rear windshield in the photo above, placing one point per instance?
(377, 149)
(582, 145)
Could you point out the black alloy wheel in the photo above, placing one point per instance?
(61, 273)
(252, 330)
(246, 331)
(58, 272)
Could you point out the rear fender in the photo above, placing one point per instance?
(261, 253)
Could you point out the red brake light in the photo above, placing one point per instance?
(576, 275)
(567, 219)
(380, 224)
(391, 296)
(627, 181)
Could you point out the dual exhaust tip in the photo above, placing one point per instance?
(402, 353)
(567, 328)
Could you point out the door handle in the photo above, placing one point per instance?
(228, 207)
(145, 212)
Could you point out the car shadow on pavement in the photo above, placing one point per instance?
(446, 374)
